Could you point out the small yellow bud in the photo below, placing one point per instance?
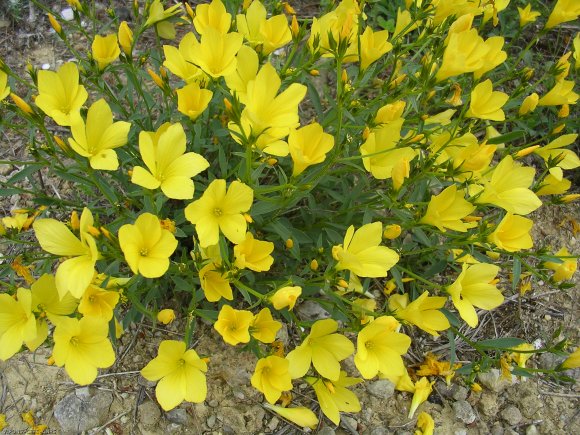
(289, 244)
(389, 287)
(248, 218)
(158, 80)
(130, 172)
(342, 283)
(314, 72)
(228, 105)
(246, 4)
(570, 197)
(272, 161)
(189, 11)
(106, 233)
(294, 27)
(492, 255)
(50, 361)
(125, 37)
(417, 138)
(21, 104)
(54, 24)
(526, 151)
(564, 111)
(392, 231)
(476, 388)
(168, 224)
(289, 9)
(75, 223)
(528, 73)
(93, 231)
(471, 218)
(166, 316)
(366, 132)
(344, 76)
(61, 143)
(314, 265)
(559, 128)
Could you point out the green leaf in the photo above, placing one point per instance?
(500, 343)
(508, 137)
(516, 274)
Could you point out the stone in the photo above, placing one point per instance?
(379, 430)
(310, 310)
(532, 430)
(488, 404)
(5, 168)
(67, 14)
(326, 430)
(511, 415)
(83, 411)
(273, 424)
(464, 412)
(382, 389)
(349, 424)
(461, 431)
(239, 395)
(149, 413)
(497, 429)
(494, 381)
(177, 416)
(460, 393)
(211, 420)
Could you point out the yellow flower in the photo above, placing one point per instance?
(308, 146)
(561, 93)
(82, 346)
(446, 210)
(422, 391)
(268, 116)
(573, 360)
(46, 300)
(529, 104)
(554, 184)
(361, 254)
(166, 316)
(512, 233)
(220, 210)
(494, 57)
(487, 103)
(146, 246)
(564, 11)
(193, 100)
(564, 270)
(75, 274)
(508, 188)
(379, 349)
(159, 16)
(286, 297)
(233, 325)
(3, 423)
(169, 166)
(246, 71)
(464, 53)
(98, 302)
(4, 88)
(431, 366)
(373, 45)
(271, 34)
(389, 113)
(473, 288)
(521, 358)
(527, 15)
(59, 94)
(271, 377)
(125, 37)
(423, 312)
(425, 424)
(254, 254)
(180, 60)
(565, 158)
(300, 416)
(181, 375)
(263, 327)
(490, 10)
(214, 284)
(334, 397)
(17, 323)
(324, 348)
(380, 153)
(361, 307)
(403, 23)
(105, 50)
(216, 53)
(99, 136)
(212, 15)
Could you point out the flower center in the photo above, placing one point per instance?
(217, 212)
(74, 341)
(143, 252)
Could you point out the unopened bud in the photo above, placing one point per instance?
(93, 231)
(314, 265)
(158, 80)
(342, 283)
(289, 244)
(21, 104)
(344, 76)
(189, 11)
(558, 129)
(228, 105)
(366, 132)
(248, 218)
(526, 151)
(54, 24)
(289, 9)
(61, 144)
(564, 111)
(75, 223)
(392, 231)
(106, 233)
(272, 161)
(314, 72)
(570, 197)
(294, 27)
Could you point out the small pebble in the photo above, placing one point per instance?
(67, 14)
(45, 66)
(211, 421)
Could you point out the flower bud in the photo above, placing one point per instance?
(392, 231)
(526, 151)
(125, 36)
(54, 24)
(289, 244)
(564, 111)
(314, 265)
(21, 104)
(75, 223)
(166, 316)
(294, 27)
